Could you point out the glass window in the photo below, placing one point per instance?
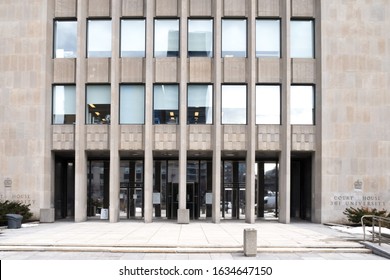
(166, 37)
(99, 38)
(268, 104)
(166, 104)
(234, 38)
(65, 39)
(268, 38)
(200, 37)
(302, 39)
(132, 104)
(133, 38)
(200, 104)
(233, 104)
(302, 104)
(98, 104)
(64, 104)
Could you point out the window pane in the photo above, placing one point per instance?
(302, 105)
(166, 38)
(132, 104)
(268, 104)
(65, 41)
(166, 104)
(233, 104)
(234, 38)
(133, 38)
(99, 38)
(268, 38)
(200, 104)
(200, 38)
(302, 39)
(98, 104)
(64, 104)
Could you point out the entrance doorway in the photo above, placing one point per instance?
(131, 203)
(267, 189)
(233, 190)
(64, 188)
(166, 189)
(301, 184)
(98, 187)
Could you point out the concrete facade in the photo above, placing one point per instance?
(348, 146)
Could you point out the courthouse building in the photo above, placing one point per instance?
(190, 110)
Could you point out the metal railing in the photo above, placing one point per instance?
(379, 221)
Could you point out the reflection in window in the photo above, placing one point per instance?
(200, 104)
(302, 39)
(234, 38)
(233, 104)
(64, 104)
(268, 38)
(132, 104)
(65, 41)
(200, 37)
(268, 104)
(133, 38)
(99, 38)
(302, 104)
(166, 104)
(98, 104)
(166, 38)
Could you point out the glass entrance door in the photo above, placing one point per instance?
(131, 194)
(233, 193)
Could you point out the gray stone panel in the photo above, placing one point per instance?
(132, 70)
(131, 137)
(165, 137)
(199, 137)
(234, 70)
(268, 70)
(132, 8)
(63, 137)
(200, 7)
(166, 70)
(235, 8)
(200, 70)
(65, 8)
(64, 70)
(97, 137)
(98, 70)
(303, 70)
(303, 8)
(99, 8)
(268, 137)
(268, 8)
(166, 8)
(303, 138)
(234, 137)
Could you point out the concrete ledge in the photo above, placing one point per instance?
(47, 215)
(183, 216)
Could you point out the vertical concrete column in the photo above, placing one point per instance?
(114, 125)
(251, 127)
(285, 139)
(217, 70)
(183, 214)
(316, 209)
(80, 155)
(148, 127)
(47, 193)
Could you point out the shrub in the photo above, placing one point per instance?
(13, 207)
(354, 215)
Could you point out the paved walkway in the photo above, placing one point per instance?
(170, 237)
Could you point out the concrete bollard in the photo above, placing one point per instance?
(250, 242)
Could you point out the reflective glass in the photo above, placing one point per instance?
(302, 39)
(268, 104)
(233, 104)
(64, 104)
(99, 38)
(132, 104)
(268, 38)
(166, 104)
(98, 104)
(133, 38)
(200, 38)
(302, 105)
(166, 38)
(65, 39)
(200, 104)
(234, 38)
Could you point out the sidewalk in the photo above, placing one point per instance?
(170, 237)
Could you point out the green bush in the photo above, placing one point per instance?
(354, 215)
(13, 207)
